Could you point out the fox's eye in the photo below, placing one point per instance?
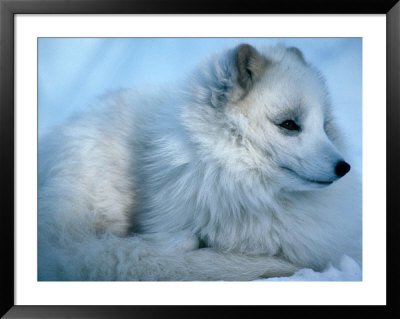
(290, 125)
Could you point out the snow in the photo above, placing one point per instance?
(348, 270)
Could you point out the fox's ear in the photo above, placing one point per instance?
(297, 53)
(250, 66)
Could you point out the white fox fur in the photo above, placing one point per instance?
(201, 182)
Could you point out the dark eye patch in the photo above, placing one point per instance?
(290, 125)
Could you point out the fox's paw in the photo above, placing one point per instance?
(172, 243)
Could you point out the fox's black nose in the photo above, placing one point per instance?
(342, 168)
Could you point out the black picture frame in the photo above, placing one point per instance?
(8, 10)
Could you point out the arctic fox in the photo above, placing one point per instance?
(236, 175)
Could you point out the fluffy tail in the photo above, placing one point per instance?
(112, 258)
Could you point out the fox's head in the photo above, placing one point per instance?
(267, 111)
